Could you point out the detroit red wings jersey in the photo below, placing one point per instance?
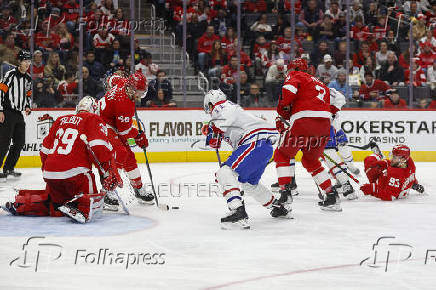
(306, 95)
(64, 154)
(117, 110)
(389, 182)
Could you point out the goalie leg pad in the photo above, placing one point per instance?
(32, 203)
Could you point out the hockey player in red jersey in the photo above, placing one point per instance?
(117, 109)
(67, 168)
(305, 103)
(391, 179)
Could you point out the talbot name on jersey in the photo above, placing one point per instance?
(168, 129)
(71, 120)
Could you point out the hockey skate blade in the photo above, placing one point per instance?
(78, 217)
(352, 196)
(335, 208)
(108, 207)
(239, 225)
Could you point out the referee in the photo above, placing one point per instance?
(15, 97)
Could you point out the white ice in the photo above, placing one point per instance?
(316, 250)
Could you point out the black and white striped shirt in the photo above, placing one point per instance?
(15, 91)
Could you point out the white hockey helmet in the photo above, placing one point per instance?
(213, 97)
(88, 104)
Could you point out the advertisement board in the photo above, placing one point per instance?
(175, 135)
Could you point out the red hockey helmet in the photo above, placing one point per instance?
(402, 151)
(299, 64)
(138, 81)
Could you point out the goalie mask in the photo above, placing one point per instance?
(87, 104)
(212, 97)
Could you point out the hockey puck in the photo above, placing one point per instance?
(175, 207)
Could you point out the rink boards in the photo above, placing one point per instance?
(175, 134)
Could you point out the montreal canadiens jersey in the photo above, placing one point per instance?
(389, 182)
(118, 110)
(306, 95)
(337, 101)
(64, 154)
(239, 126)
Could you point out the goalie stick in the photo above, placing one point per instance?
(85, 140)
(161, 206)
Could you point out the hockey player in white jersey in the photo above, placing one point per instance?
(251, 139)
(336, 141)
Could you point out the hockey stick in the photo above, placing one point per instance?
(343, 170)
(161, 206)
(218, 156)
(85, 140)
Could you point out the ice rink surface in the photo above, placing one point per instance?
(370, 245)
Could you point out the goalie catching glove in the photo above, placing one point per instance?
(141, 140)
(111, 178)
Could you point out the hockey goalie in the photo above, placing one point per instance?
(391, 179)
(67, 168)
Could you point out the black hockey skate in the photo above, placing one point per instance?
(10, 208)
(275, 187)
(330, 201)
(282, 206)
(110, 201)
(347, 191)
(12, 173)
(73, 213)
(237, 218)
(143, 196)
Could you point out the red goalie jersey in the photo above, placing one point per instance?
(64, 154)
(306, 96)
(386, 181)
(118, 110)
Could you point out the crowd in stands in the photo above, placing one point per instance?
(56, 46)
(380, 62)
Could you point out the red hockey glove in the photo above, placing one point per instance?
(111, 178)
(280, 125)
(215, 141)
(284, 111)
(368, 189)
(141, 140)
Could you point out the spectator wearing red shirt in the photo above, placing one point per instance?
(359, 31)
(38, 65)
(419, 77)
(393, 100)
(103, 39)
(427, 56)
(55, 17)
(71, 14)
(255, 6)
(380, 29)
(46, 40)
(6, 19)
(68, 88)
(228, 40)
(431, 14)
(218, 4)
(204, 46)
(360, 57)
(229, 72)
(371, 89)
(284, 44)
